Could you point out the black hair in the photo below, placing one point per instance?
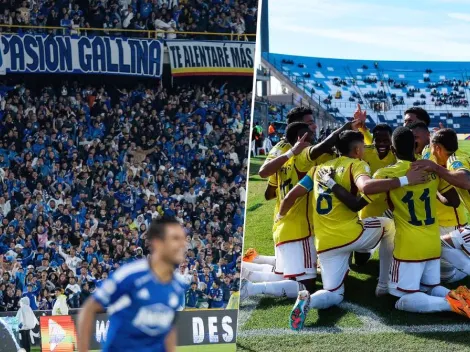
(294, 130)
(420, 113)
(447, 138)
(157, 228)
(347, 139)
(404, 143)
(382, 127)
(297, 114)
(418, 125)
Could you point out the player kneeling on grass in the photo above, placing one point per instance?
(295, 266)
(444, 147)
(448, 218)
(339, 231)
(141, 297)
(415, 271)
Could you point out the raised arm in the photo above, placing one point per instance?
(329, 142)
(270, 167)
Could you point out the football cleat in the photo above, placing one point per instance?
(457, 303)
(464, 292)
(300, 310)
(250, 255)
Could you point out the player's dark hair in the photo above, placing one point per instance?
(417, 125)
(295, 130)
(382, 127)
(157, 229)
(403, 142)
(347, 140)
(420, 113)
(297, 114)
(447, 138)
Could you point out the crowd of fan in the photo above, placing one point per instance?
(82, 175)
(235, 18)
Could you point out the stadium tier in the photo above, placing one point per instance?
(384, 88)
(201, 18)
(100, 135)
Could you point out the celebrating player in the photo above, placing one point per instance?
(415, 271)
(141, 297)
(449, 218)
(444, 147)
(295, 251)
(338, 228)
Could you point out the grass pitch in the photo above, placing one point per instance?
(362, 322)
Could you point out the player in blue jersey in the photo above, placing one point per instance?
(141, 297)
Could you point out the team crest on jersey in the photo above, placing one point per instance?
(456, 164)
(276, 153)
(427, 155)
(154, 319)
(143, 294)
(173, 302)
(367, 168)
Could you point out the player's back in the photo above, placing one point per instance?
(414, 210)
(140, 307)
(335, 224)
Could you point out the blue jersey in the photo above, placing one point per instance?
(141, 309)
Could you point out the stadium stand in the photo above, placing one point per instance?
(84, 168)
(171, 16)
(385, 88)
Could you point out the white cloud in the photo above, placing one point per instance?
(459, 16)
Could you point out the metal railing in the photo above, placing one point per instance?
(151, 34)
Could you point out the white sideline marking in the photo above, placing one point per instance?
(372, 324)
(362, 331)
(246, 309)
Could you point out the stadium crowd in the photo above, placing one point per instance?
(83, 172)
(235, 18)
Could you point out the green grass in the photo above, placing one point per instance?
(272, 313)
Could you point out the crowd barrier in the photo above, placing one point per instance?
(58, 333)
(151, 34)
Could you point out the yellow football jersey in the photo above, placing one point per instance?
(280, 148)
(335, 224)
(297, 223)
(460, 161)
(414, 210)
(446, 216)
(371, 157)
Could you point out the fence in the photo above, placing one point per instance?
(151, 34)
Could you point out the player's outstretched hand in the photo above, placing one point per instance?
(426, 165)
(416, 176)
(301, 144)
(359, 114)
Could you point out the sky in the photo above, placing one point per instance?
(403, 30)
